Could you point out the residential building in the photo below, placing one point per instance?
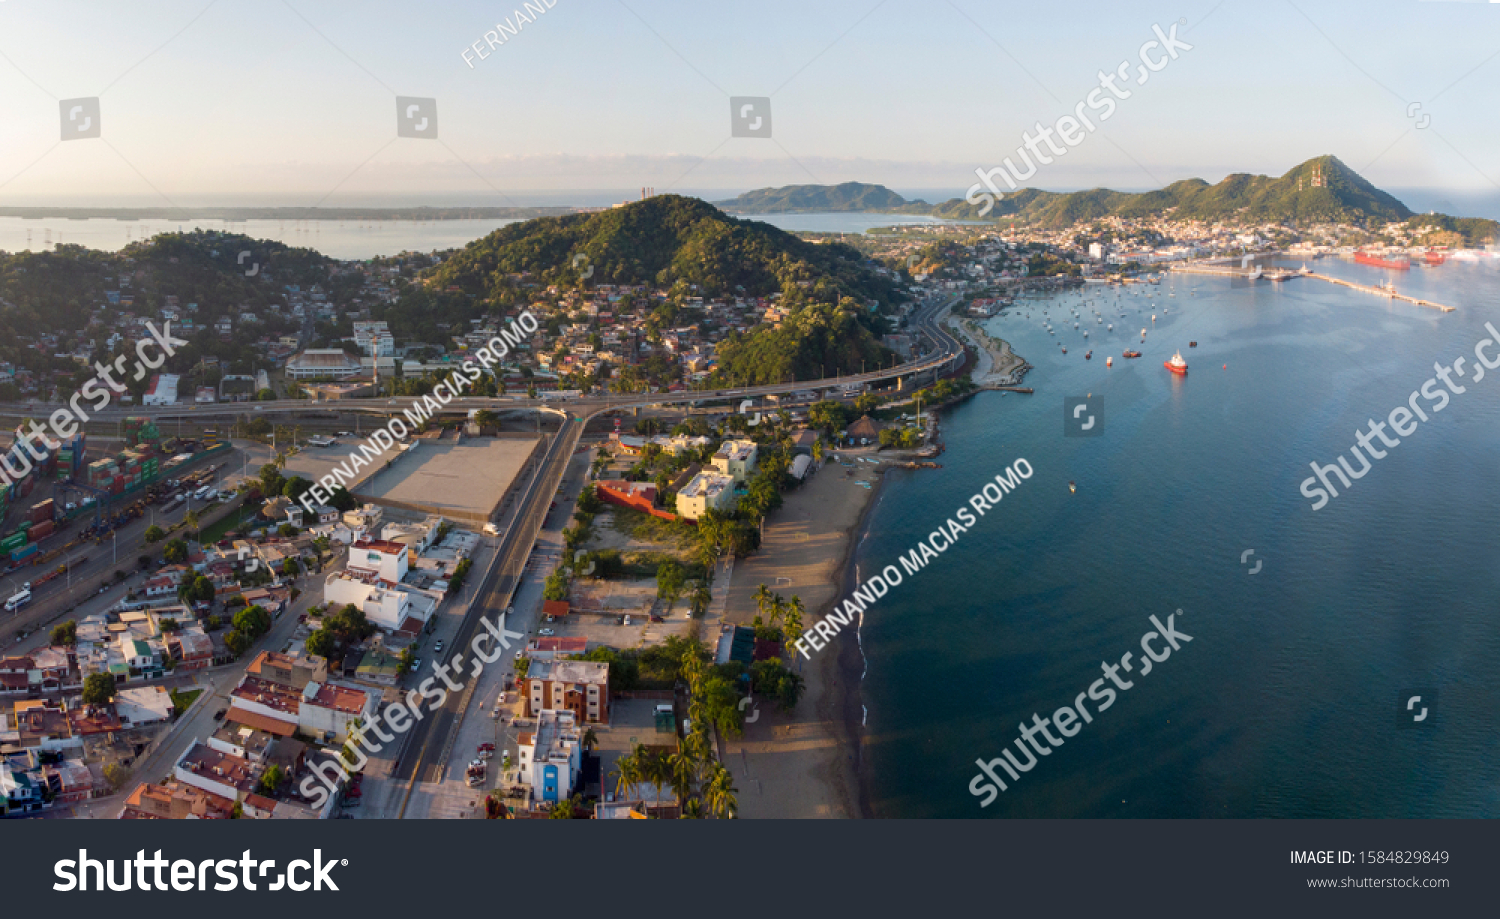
(736, 458)
(708, 491)
(551, 756)
(581, 687)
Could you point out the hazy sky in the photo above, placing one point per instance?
(294, 103)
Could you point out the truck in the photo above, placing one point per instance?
(19, 599)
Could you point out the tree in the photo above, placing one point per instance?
(191, 519)
(254, 621)
(719, 794)
(175, 552)
(155, 534)
(65, 633)
(237, 642)
(564, 810)
(116, 775)
(670, 579)
(486, 419)
(340, 500)
(322, 643)
(169, 625)
(557, 586)
(98, 689)
(792, 626)
(271, 780)
(762, 597)
(627, 771)
(295, 486)
(290, 568)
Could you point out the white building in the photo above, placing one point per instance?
(736, 458)
(374, 333)
(379, 558)
(386, 607)
(326, 363)
(708, 491)
(328, 709)
(551, 756)
(163, 390)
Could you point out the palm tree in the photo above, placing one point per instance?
(590, 740)
(719, 794)
(682, 769)
(817, 451)
(778, 607)
(792, 626)
(762, 597)
(627, 773)
(486, 418)
(563, 810)
(691, 810)
(657, 770)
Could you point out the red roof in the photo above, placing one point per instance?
(260, 722)
(555, 607)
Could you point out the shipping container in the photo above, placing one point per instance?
(24, 552)
(42, 530)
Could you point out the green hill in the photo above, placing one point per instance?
(685, 246)
(662, 241)
(1322, 189)
(850, 196)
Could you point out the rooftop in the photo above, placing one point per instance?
(707, 484)
(586, 672)
(272, 695)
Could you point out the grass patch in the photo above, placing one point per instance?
(181, 701)
(217, 531)
(643, 527)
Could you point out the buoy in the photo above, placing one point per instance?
(1226, 366)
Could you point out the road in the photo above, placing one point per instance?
(946, 350)
(424, 752)
(117, 551)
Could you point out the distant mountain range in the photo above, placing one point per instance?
(1322, 189)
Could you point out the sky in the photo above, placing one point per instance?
(293, 102)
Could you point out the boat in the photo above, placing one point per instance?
(1129, 353)
(1089, 356)
(1072, 487)
(1109, 362)
(1177, 365)
(1192, 344)
(1400, 263)
(1065, 350)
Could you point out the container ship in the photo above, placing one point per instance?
(1400, 263)
(1177, 365)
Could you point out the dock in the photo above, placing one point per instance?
(996, 386)
(1389, 292)
(1282, 274)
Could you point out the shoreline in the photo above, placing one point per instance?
(999, 365)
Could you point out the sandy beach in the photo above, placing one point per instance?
(806, 764)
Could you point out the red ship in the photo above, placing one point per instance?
(1436, 257)
(1132, 354)
(1400, 263)
(1176, 364)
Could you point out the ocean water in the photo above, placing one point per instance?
(1288, 700)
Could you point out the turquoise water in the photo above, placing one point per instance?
(1285, 703)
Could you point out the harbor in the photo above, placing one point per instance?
(1255, 272)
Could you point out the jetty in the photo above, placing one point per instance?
(1255, 272)
(1384, 291)
(996, 386)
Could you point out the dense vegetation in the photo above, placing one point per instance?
(850, 196)
(1344, 195)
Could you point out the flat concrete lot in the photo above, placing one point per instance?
(446, 477)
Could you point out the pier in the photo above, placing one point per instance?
(1389, 292)
(1281, 274)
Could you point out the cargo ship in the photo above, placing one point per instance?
(1400, 263)
(1132, 354)
(1436, 256)
(1176, 364)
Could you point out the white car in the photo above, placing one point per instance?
(627, 620)
(547, 633)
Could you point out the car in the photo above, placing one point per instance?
(416, 665)
(658, 619)
(627, 621)
(520, 654)
(547, 633)
(551, 618)
(437, 646)
(257, 408)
